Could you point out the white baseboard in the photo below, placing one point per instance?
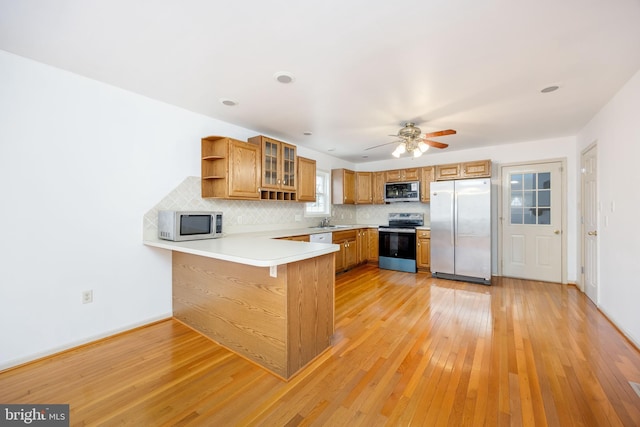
(618, 327)
(51, 351)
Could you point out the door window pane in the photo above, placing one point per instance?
(529, 181)
(544, 198)
(516, 182)
(544, 180)
(544, 216)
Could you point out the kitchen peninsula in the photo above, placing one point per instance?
(270, 301)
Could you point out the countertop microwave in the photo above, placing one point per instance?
(180, 226)
(402, 191)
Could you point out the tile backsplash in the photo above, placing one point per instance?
(249, 215)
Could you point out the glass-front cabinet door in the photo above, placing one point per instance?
(270, 164)
(288, 166)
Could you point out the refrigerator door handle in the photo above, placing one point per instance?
(454, 217)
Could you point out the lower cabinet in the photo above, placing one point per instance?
(423, 249)
(355, 247)
(373, 244)
(347, 257)
(363, 245)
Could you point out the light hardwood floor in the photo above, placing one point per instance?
(408, 350)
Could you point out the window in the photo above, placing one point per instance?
(531, 198)
(322, 205)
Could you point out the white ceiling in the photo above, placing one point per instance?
(362, 68)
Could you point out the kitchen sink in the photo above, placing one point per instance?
(330, 227)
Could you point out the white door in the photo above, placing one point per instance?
(590, 224)
(531, 221)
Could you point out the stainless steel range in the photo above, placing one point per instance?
(397, 242)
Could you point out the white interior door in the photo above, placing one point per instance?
(531, 221)
(590, 224)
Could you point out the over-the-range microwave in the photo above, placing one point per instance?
(180, 226)
(402, 191)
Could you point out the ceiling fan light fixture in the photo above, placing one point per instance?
(422, 146)
(417, 153)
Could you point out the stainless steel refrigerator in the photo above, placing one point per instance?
(461, 230)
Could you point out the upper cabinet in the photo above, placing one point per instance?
(426, 178)
(230, 168)
(400, 175)
(278, 168)
(306, 180)
(477, 169)
(377, 187)
(363, 188)
(343, 187)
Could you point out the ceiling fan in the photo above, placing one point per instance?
(413, 141)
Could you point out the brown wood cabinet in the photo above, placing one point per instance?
(426, 178)
(347, 257)
(363, 188)
(343, 187)
(475, 169)
(306, 180)
(377, 187)
(400, 175)
(373, 244)
(362, 241)
(230, 169)
(423, 249)
(444, 172)
(278, 177)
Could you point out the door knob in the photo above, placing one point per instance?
(592, 233)
(556, 231)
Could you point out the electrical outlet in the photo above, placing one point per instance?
(87, 297)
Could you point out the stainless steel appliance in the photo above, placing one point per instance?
(397, 242)
(461, 230)
(402, 191)
(189, 225)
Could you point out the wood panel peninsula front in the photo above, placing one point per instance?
(270, 301)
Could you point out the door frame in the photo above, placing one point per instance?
(581, 281)
(563, 219)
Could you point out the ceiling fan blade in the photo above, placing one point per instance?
(382, 145)
(440, 133)
(435, 144)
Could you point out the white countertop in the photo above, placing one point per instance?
(259, 249)
(256, 251)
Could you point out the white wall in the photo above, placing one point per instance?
(80, 164)
(616, 131)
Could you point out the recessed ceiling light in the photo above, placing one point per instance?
(284, 77)
(550, 89)
(308, 133)
(228, 102)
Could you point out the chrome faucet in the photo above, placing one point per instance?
(325, 222)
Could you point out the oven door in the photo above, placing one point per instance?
(397, 249)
